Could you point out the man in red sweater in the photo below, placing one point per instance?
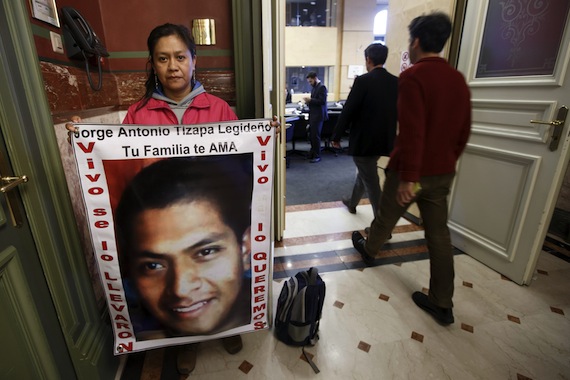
(434, 114)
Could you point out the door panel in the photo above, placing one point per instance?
(508, 179)
(28, 354)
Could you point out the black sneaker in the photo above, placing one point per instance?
(442, 316)
(346, 202)
(359, 242)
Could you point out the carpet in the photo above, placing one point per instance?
(326, 181)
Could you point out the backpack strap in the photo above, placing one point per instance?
(313, 273)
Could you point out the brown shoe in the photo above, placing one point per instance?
(186, 358)
(232, 344)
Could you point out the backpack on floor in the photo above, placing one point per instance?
(299, 308)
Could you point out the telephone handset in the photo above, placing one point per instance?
(79, 36)
(81, 42)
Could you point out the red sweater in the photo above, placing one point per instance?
(434, 115)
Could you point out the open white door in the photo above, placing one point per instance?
(515, 57)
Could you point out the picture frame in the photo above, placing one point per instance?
(45, 10)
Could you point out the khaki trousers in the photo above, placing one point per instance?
(432, 202)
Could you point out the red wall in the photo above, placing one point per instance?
(123, 26)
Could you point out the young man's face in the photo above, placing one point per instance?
(312, 81)
(187, 266)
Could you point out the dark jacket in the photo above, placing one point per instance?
(318, 103)
(371, 114)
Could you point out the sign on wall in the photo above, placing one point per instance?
(180, 221)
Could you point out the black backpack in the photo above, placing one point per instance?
(299, 308)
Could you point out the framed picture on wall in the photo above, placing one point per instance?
(45, 10)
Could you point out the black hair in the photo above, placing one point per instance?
(432, 31)
(377, 53)
(312, 74)
(224, 181)
(157, 33)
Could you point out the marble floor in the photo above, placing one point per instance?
(371, 329)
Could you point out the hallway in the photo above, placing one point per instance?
(371, 328)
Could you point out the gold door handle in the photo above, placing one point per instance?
(12, 182)
(553, 122)
(558, 125)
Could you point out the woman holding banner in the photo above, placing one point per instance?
(174, 96)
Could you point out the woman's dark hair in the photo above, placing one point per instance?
(432, 31)
(224, 181)
(377, 53)
(157, 33)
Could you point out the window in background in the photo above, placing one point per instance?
(296, 79)
(380, 24)
(310, 13)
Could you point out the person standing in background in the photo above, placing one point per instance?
(318, 113)
(370, 112)
(434, 115)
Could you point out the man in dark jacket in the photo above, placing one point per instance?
(318, 113)
(370, 113)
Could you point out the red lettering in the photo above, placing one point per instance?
(116, 297)
(260, 227)
(125, 347)
(90, 164)
(258, 289)
(88, 148)
(262, 168)
(263, 142)
(125, 334)
(104, 245)
(121, 317)
(108, 277)
(260, 256)
(95, 178)
(262, 155)
(95, 191)
(262, 180)
(107, 258)
(260, 238)
(122, 325)
(101, 224)
(110, 287)
(259, 308)
(260, 298)
(118, 308)
(99, 212)
(259, 325)
(258, 269)
(259, 279)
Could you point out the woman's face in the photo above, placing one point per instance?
(187, 266)
(174, 65)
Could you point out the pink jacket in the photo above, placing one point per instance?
(205, 108)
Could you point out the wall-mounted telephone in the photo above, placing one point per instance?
(81, 42)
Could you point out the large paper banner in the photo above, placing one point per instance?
(180, 221)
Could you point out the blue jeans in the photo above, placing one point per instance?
(432, 202)
(367, 179)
